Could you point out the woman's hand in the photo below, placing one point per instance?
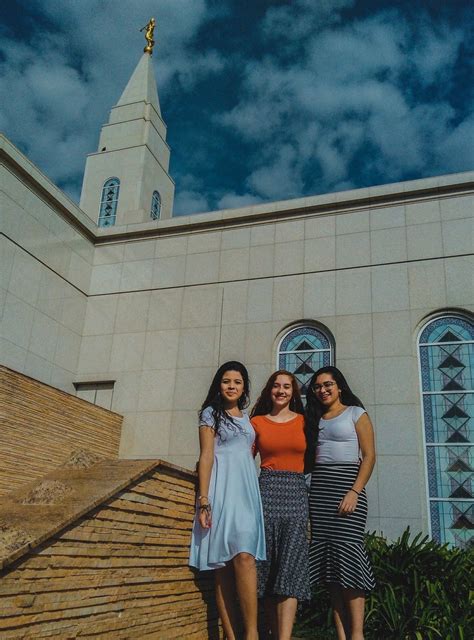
(348, 504)
(205, 516)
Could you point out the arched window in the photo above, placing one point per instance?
(155, 210)
(303, 350)
(108, 202)
(446, 349)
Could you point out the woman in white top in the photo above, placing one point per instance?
(344, 456)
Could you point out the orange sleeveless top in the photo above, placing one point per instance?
(281, 445)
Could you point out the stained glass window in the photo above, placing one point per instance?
(303, 351)
(446, 350)
(108, 202)
(155, 210)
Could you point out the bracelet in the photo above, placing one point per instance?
(199, 497)
(205, 507)
(355, 491)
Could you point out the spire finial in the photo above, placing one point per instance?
(149, 30)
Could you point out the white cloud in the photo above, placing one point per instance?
(188, 201)
(280, 178)
(266, 97)
(190, 198)
(301, 18)
(435, 52)
(233, 200)
(357, 51)
(455, 150)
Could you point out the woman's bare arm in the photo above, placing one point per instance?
(365, 435)
(206, 461)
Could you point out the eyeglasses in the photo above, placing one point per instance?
(326, 385)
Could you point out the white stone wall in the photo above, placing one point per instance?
(45, 267)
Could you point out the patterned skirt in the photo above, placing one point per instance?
(285, 513)
(337, 553)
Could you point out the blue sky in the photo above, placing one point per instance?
(264, 100)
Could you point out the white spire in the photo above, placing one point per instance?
(142, 85)
(133, 151)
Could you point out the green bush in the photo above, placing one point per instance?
(424, 592)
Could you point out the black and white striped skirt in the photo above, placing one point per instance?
(285, 513)
(337, 553)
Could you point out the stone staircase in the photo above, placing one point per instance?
(98, 549)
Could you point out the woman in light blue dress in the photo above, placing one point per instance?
(228, 533)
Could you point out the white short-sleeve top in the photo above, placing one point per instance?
(337, 438)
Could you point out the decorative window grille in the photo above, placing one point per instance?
(108, 202)
(155, 210)
(303, 351)
(446, 350)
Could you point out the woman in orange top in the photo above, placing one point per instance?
(279, 424)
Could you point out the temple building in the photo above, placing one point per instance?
(118, 303)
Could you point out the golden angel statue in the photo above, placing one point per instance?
(149, 31)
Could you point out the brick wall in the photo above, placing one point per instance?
(40, 426)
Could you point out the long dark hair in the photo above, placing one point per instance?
(264, 403)
(315, 409)
(214, 399)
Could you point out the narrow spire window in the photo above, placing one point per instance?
(155, 210)
(108, 202)
(446, 357)
(303, 350)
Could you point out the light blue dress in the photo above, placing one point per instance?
(237, 516)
